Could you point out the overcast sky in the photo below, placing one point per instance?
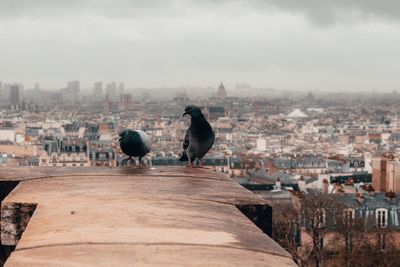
(284, 44)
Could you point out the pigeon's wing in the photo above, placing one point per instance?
(185, 145)
(205, 146)
(186, 140)
(145, 139)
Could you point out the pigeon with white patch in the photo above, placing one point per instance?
(134, 143)
(199, 137)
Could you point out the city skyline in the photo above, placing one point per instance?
(333, 46)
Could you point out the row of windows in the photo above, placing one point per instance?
(381, 217)
(74, 165)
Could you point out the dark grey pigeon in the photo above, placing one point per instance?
(134, 143)
(199, 137)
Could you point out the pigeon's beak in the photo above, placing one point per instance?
(184, 114)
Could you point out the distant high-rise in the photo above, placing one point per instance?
(6, 91)
(106, 105)
(98, 90)
(74, 87)
(121, 88)
(71, 93)
(37, 86)
(14, 95)
(221, 92)
(112, 91)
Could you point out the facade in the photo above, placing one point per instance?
(14, 95)
(304, 165)
(215, 112)
(65, 152)
(386, 174)
(125, 102)
(98, 90)
(7, 134)
(112, 91)
(102, 157)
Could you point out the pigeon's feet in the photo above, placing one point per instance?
(142, 165)
(201, 166)
(127, 161)
(124, 162)
(189, 165)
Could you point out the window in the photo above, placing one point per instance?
(348, 216)
(381, 218)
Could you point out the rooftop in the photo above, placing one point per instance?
(124, 216)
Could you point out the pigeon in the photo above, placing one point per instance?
(134, 143)
(199, 137)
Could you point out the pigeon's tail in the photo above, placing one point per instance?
(183, 157)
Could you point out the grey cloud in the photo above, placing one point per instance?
(174, 42)
(319, 11)
(331, 11)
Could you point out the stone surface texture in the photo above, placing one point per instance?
(133, 217)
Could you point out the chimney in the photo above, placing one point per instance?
(359, 198)
(278, 184)
(325, 186)
(271, 167)
(302, 184)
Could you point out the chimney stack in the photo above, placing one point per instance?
(302, 184)
(278, 184)
(325, 186)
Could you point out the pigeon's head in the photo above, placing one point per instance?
(122, 134)
(192, 110)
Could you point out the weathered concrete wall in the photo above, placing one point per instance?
(141, 217)
(14, 219)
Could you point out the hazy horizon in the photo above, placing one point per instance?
(318, 45)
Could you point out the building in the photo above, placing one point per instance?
(121, 88)
(304, 164)
(14, 95)
(221, 92)
(215, 112)
(74, 87)
(385, 174)
(102, 153)
(71, 93)
(112, 91)
(106, 104)
(98, 90)
(66, 152)
(7, 132)
(341, 225)
(125, 102)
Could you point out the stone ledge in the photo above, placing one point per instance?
(166, 216)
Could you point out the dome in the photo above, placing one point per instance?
(221, 92)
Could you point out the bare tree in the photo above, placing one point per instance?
(285, 228)
(332, 234)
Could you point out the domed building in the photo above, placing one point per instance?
(221, 92)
